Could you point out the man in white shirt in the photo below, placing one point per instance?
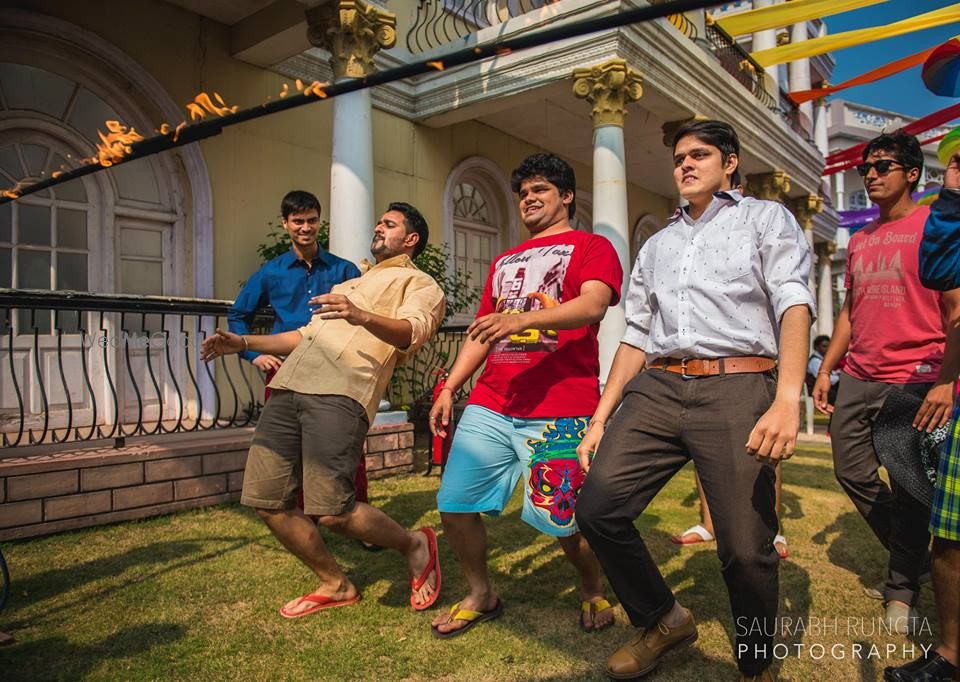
(715, 298)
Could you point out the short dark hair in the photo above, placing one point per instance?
(820, 339)
(719, 134)
(298, 201)
(414, 222)
(902, 146)
(551, 168)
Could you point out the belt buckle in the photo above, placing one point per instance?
(683, 368)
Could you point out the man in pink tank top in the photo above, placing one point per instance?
(893, 331)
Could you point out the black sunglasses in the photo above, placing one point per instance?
(883, 167)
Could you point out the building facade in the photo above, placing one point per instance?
(185, 223)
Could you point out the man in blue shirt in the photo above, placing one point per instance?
(288, 282)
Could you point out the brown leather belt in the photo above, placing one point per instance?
(702, 367)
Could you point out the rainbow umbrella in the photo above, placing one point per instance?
(941, 71)
(928, 196)
(949, 145)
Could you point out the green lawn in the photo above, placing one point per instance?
(195, 596)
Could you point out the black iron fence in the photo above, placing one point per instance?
(78, 366)
(738, 63)
(411, 387)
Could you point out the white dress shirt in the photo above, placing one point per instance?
(718, 286)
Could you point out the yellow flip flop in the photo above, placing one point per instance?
(472, 618)
(593, 608)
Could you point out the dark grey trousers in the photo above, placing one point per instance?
(899, 521)
(663, 422)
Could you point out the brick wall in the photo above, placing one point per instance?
(46, 489)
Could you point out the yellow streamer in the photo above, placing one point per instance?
(787, 14)
(839, 41)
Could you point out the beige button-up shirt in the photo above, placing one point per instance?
(338, 358)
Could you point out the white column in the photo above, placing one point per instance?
(352, 31)
(609, 87)
(820, 126)
(763, 40)
(610, 220)
(800, 69)
(825, 294)
(839, 195)
(351, 177)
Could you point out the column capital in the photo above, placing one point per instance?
(353, 31)
(825, 250)
(805, 208)
(609, 87)
(770, 186)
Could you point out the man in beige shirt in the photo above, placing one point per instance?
(312, 430)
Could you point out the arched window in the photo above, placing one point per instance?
(123, 230)
(476, 239)
(583, 216)
(44, 237)
(47, 124)
(480, 221)
(643, 229)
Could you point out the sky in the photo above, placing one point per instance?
(904, 92)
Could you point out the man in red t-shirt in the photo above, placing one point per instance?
(537, 331)
(893, 331)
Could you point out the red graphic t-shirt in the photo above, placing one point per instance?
(897, 325)
(545, 373)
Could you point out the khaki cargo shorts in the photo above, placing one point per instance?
(313, 442)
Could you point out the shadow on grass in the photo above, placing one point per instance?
(63, 584)
(58, 658)
(854, 547)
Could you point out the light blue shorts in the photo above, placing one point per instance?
(491, 452)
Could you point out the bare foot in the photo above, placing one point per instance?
(417, 559)
(332, 592)
(445, 623)
(599, 619)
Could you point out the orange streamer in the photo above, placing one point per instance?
(876, 74)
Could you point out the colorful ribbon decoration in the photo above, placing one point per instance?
(838, 41)
(852, 156)
(801, 96)
(787, 14)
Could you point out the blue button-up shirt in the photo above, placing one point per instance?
(286, 285)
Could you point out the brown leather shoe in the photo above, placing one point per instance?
(643, 653)
(766, 676)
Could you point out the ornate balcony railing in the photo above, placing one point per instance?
(82, 366)
(439, 22)
(738, 63)
(78, 366)
(412, 384)
(680, 21)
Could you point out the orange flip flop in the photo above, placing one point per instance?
(433, 565)
(319, 603)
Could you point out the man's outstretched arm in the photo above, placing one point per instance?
(225, 343)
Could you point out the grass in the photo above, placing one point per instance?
(194, 596)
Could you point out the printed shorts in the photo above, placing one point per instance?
(491, 452)
(945, 516)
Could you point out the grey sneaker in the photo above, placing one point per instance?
(901, 619)
(875, 592)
